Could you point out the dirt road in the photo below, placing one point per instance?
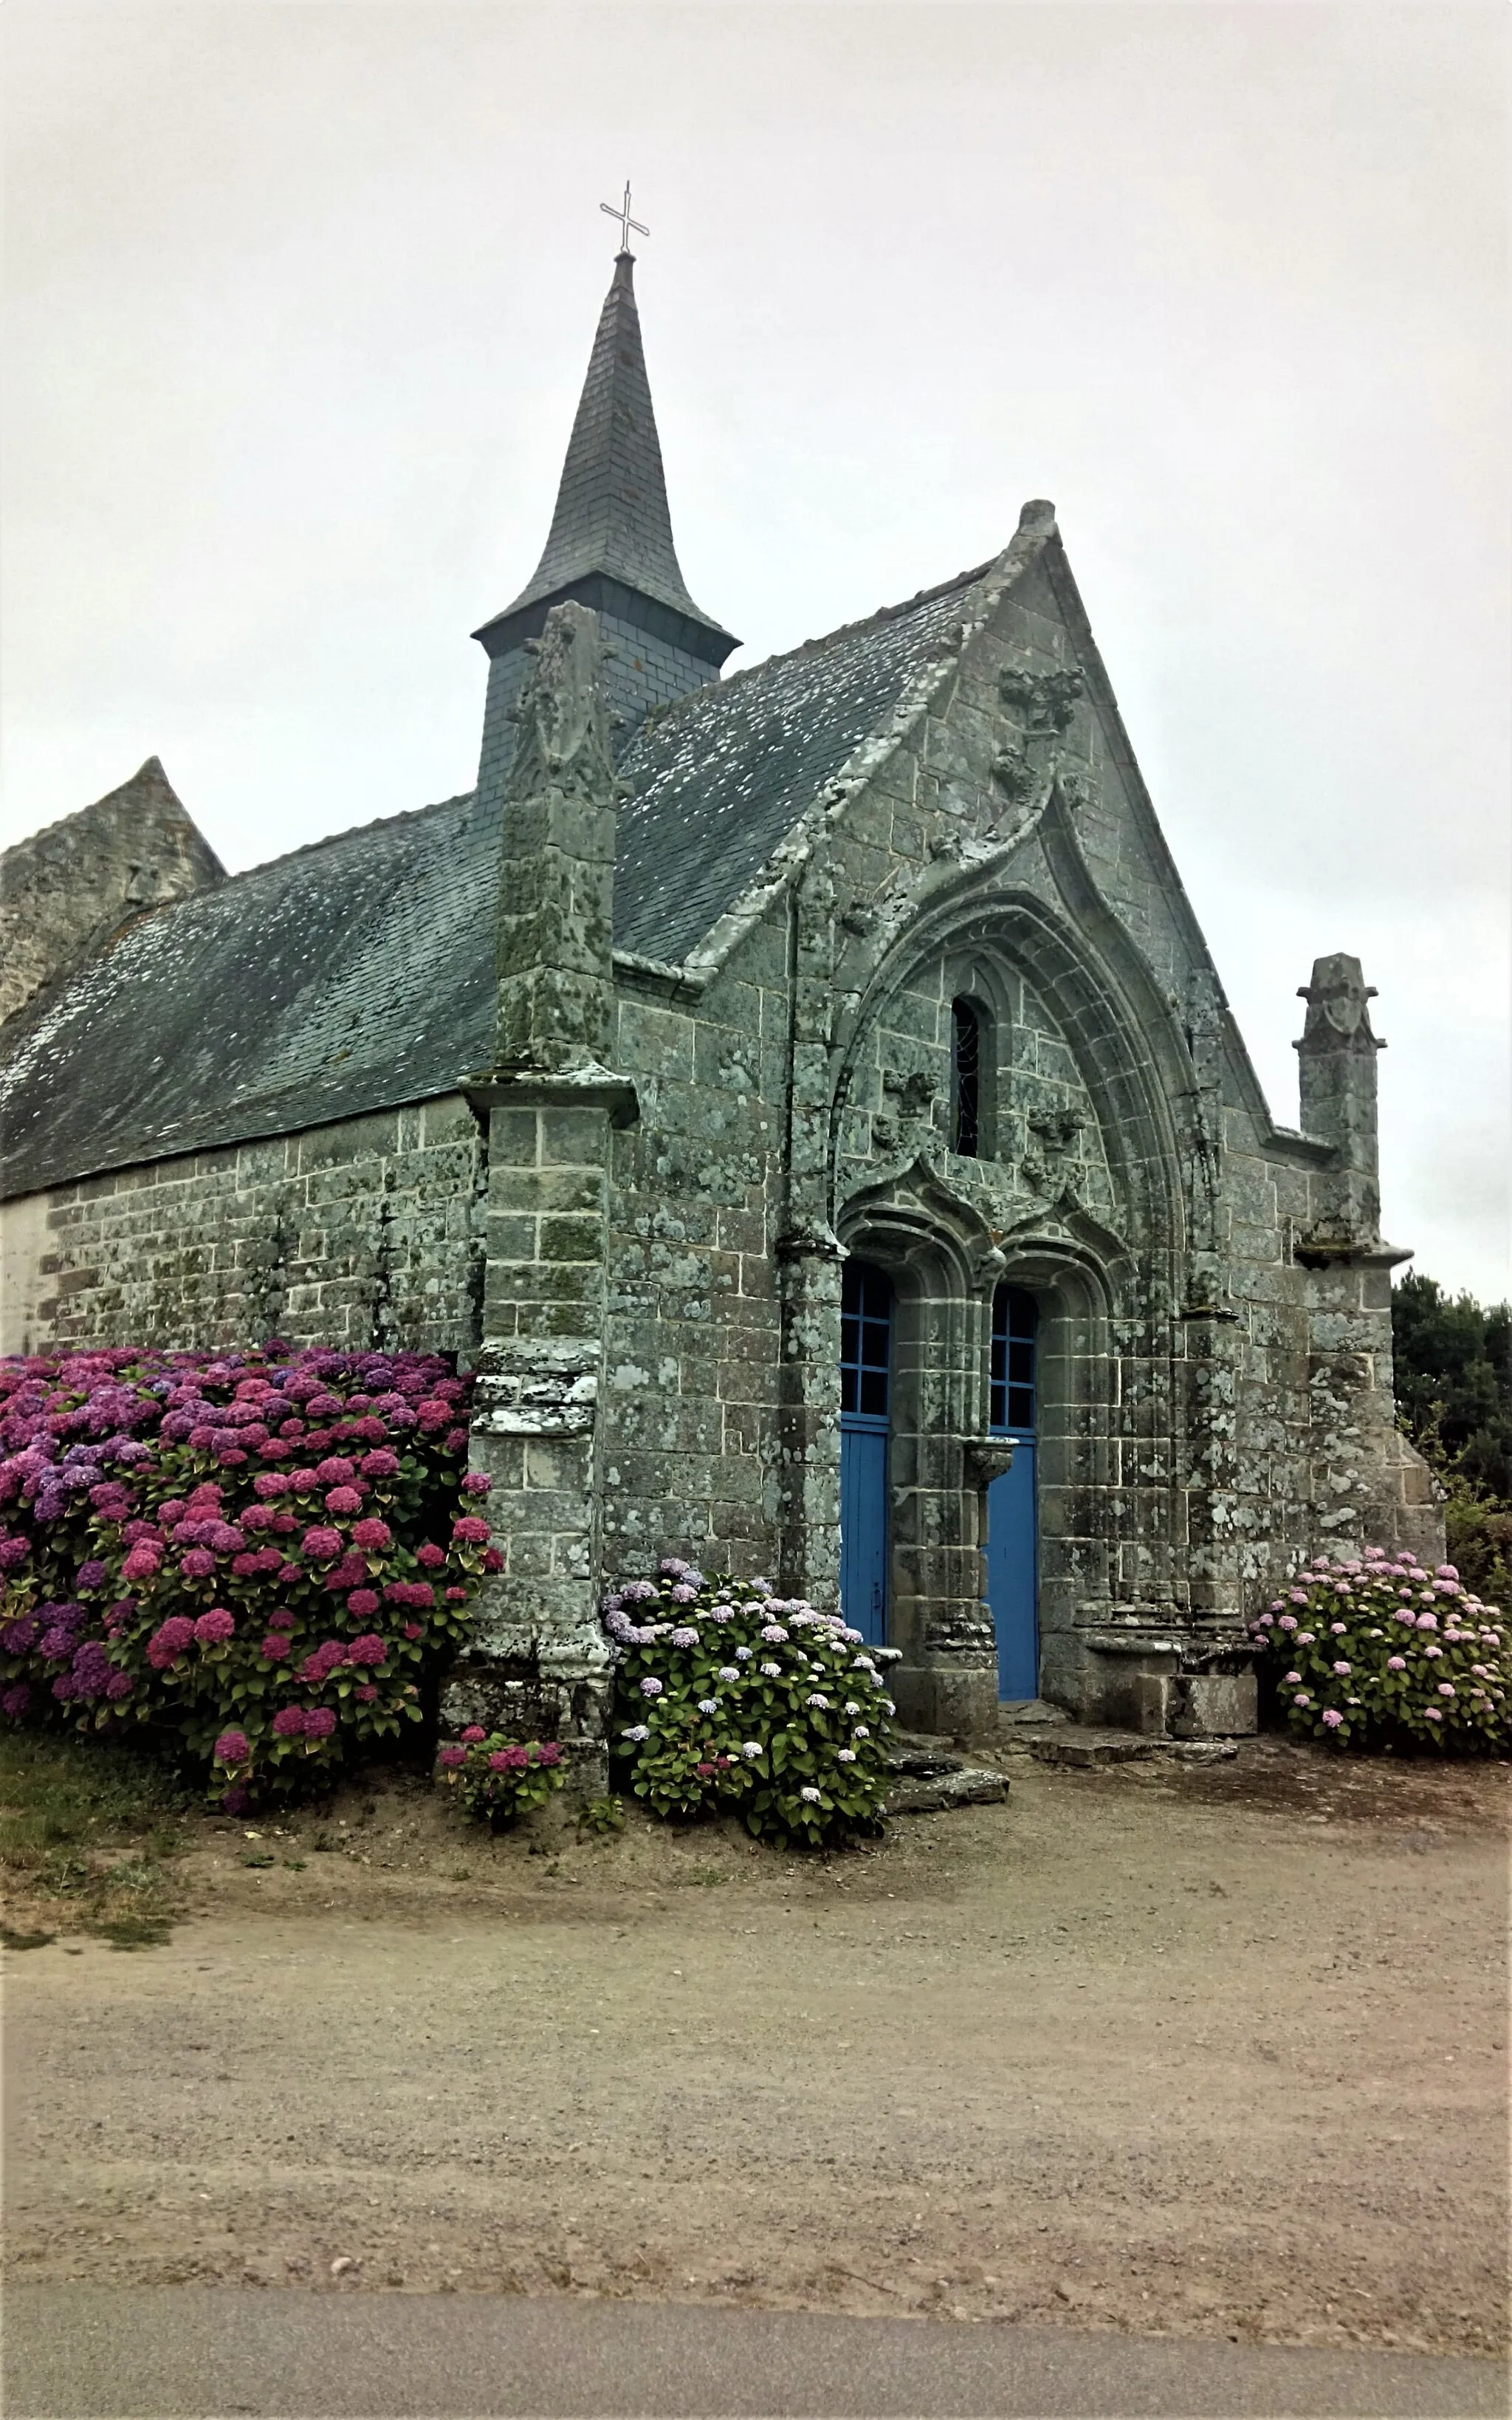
(1214, 2052)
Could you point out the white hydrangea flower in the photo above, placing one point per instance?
(811, 1794)
(708, 1705)
(772, 1672)
(851, 1706)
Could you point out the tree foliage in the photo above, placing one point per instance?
(1454, 1379)
(1454, 1390)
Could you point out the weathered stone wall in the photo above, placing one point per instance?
(691, 1446)
(65, 890)
(364, 1232)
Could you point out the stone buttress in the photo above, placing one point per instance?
(538, 1665)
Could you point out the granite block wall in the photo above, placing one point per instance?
(364, 1232)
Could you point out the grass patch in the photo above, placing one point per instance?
(68, 1807)
(10, 1939)
(133, 1932)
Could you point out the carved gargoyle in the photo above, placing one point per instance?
(563, 734)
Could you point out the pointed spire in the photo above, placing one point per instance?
(612, 520)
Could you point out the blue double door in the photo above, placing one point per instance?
(1012, 1541)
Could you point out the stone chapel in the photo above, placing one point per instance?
(805, 1098)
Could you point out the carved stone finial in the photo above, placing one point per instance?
(1337, 1059)
(563, 734)
(1337, 1002)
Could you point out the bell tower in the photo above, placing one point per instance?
(610, 548)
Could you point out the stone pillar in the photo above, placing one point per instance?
(1338, 1068)
(1368, 1484)
(539, 1663)
(810, 1256)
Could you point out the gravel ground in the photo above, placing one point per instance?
(1213, 2052)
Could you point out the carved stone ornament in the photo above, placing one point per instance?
(1027, 762)
(1337, 1002)
(913, 1093)
(988, 1458)
(563, 734)
(1042, 702)
(1014, 772)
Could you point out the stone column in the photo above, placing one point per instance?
(539, 1662)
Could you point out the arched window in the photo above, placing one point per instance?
(966, 1079)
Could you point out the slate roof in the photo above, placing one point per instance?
(611, 513)
(718, 779)
(348, 976)
(358, 973)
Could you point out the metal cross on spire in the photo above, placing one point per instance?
(620, 210)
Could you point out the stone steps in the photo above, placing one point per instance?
(1084, 1747)
(931, 1777)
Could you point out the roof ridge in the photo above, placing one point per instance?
(348, 832)
(874, 620)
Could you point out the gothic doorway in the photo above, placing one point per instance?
(865, 1417)
(1012, 1500)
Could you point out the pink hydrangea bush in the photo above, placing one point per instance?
(728, 1697)
(1379, 1651)
(259, 1551)
(498, 1779)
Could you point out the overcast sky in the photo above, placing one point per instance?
(300, 299)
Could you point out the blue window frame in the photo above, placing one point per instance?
(865, 1386)
(1015, 1334)
(866, 1342)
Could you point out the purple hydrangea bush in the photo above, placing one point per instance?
(258, 1551)
(729, 1699)
(498, 1779)
(1380, 1652)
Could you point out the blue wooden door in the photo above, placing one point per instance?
(866, 1380)
(1012, 1507)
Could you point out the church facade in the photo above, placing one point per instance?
(805, 1098)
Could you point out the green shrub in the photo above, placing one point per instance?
(498, 1779)
(729, 1699)
(1380, 1652)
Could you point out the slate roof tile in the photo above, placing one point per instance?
(358, 973)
